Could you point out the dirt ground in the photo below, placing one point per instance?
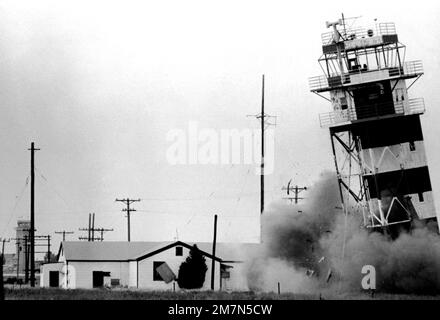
(133, 294)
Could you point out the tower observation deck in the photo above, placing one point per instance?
(374, 125)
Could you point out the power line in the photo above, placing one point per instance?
(64, 232)
(202, 214)
(102, 230)
(210, 197)
(16, 204)
(52, 187)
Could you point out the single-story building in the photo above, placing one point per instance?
(146, 265)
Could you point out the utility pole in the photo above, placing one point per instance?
(64, 232)
(101, 238)
(102, 230)
(48, 248)
(26, 259)
(263, 122)
(48, 252)
(2, 289)
(214, 243)
(128, 210)
(90, 227)
(296, 191)
(32, 231)
(18, 259)
(18, 242)
(93, 227)
(91, 230)
(262, 151)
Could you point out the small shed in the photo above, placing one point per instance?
(146, 265)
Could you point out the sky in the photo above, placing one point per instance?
(97, 85)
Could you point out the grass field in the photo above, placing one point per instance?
(124, 294)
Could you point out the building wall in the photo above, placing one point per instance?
(44, 273)
(146, 270)
(81, 273)
(132, 273)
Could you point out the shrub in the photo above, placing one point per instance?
(193, 270)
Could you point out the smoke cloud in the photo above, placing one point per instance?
(313, 246)
(291, 252)
(408, 264)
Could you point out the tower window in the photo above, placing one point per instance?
(344, 105)
(412, 146)
(421, 198)
(179, 251)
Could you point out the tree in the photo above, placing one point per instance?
(53, 258)
(193, 270)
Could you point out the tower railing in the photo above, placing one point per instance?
(410, 68)
(414, 106)
(413, 67)
(318, 82)
(383, 28)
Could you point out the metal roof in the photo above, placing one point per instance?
(125, 251)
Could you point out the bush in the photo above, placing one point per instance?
(193, 270)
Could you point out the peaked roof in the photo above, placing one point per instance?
(105, 250)
(131, 251)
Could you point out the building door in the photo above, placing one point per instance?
(98, 279)
(54, 279)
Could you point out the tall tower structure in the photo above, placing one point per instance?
(375, 128)
(22, 236)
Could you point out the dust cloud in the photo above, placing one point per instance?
(313, 247)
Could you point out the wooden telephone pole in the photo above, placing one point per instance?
(263, 123)
(262, 151)
(214, 244)
(2, 291)
(128, 210)
(32, 230)
(91, 230)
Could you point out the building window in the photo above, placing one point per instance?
(421, 198)
(179, 251)
(412, 146)
(156, 275)
(115, 282)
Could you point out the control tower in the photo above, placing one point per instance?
(22, 236)
(374, 125)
